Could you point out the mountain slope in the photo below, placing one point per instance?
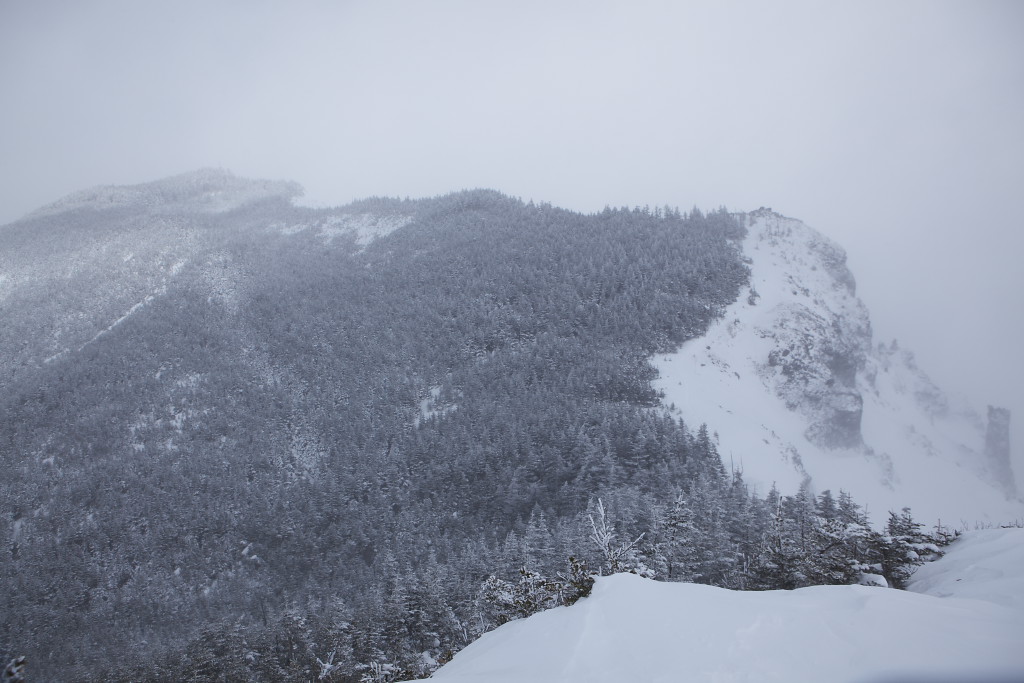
(794, 386)
(228, 422)
(212, 409)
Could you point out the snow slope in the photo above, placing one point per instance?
(364, 228)
(793, 385)
(635, 629)
(982, 565)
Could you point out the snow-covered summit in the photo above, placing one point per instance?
(794, 386)
(207, 190)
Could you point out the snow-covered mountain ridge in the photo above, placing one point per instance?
(207, 190)
(794, 386)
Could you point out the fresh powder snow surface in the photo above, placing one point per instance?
(916, 447)
(635, 629)
(982, 565)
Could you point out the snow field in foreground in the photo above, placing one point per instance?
(635, 629)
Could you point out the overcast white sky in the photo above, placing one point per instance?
(895, 127)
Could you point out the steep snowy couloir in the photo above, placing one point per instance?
(793, 385)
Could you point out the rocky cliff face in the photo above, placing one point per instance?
(997, 448)
(819, 331)
(794, 386)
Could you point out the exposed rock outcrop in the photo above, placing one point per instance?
(820, 331)
(997, 449)
(793, 385)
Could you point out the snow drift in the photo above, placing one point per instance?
(635, 629)
(981, 565)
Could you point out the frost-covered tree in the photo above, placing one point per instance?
(14, 672)
(679, 546)
(905, 547)
(616, 556)
(503, 601)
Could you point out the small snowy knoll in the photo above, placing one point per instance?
(981, 565)
(635, 629)
(792, 383)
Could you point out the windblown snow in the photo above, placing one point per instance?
(792, 384)
(635, 629)
(364, 228)
(981, 565)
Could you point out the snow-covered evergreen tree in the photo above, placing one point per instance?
(905, 547)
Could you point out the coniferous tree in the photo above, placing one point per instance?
(904, 548)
